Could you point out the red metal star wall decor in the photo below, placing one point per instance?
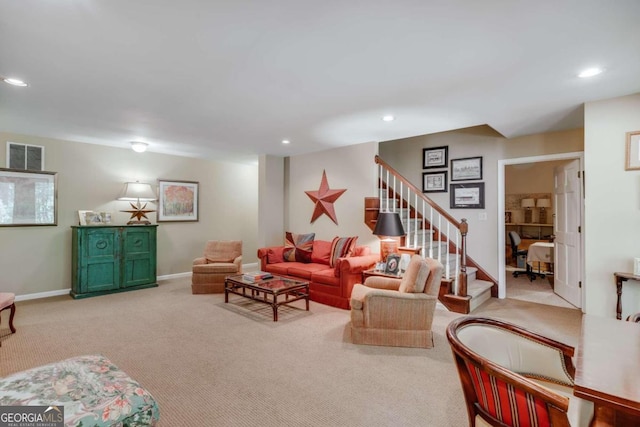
(324, 199)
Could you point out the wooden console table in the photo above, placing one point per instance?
(607, 370)
(622, 277)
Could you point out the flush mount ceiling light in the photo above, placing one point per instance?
(590, 72)
(286, 141)
(388, 118)
(14, 82)
(139, 147)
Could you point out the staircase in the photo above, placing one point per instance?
(465, 285)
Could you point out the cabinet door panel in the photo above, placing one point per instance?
(139, 256)
(99, 263)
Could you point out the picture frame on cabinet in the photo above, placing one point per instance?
(467, 196)
(93, 218)
(434, 182)
(29, 197)
(632, 152)
(177, 201)
(467, 169)
(435, 157)
(82, 217)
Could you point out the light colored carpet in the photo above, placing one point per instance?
(214, 364)
(539, 290)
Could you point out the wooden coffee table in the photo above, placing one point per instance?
(267, 291)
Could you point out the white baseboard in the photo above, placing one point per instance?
(39, 295)
(174, 276)
(48, 294)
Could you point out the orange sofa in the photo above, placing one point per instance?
(327, 285)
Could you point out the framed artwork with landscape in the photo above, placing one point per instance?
(28, 198)
(177, 201)
(633, 151)
(466, 169)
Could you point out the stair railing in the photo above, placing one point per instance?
(426, 223)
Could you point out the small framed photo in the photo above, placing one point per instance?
(466, 169)
(636, 266)
(633, 151)
(434, 157)
(177, 201)
(106, 217)
(434, 182)
(93, 218)
(467, 196)
(393, 264)
(82, 217)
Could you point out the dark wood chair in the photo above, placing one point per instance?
(513, 377)
(7, 302)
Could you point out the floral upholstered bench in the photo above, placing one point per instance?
(92, 390)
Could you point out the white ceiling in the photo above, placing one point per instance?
(231, 79)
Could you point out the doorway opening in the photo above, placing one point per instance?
(514, 197)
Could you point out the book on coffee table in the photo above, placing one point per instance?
(256, 276)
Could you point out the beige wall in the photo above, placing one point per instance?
(38, 259)
(352, 168)
(405, 155)
(612, 204)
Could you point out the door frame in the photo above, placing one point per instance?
(502, 279)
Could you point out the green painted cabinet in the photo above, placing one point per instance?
(109, 259)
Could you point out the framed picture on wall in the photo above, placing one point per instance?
(467, 196)
(466, 169)
(28, 198)
(434, 182)
(633, 151)
(434, 157)
(177, 200)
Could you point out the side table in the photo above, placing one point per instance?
(372, 272)
(622, 277)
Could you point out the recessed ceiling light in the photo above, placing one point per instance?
(590, 72)
(139, 147)
(286, 141)
(388, 118)
(14, 82)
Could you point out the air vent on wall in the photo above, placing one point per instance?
(25, 157)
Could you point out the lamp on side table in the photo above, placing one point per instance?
(388, 226)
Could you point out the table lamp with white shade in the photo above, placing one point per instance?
(527, 204)
(138, 192)
(543, 204)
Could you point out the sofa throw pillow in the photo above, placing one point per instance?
(298, 247)
(415, 277)
(341, 247)
(274, 255)
(321, 253)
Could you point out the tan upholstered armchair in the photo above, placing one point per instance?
(513, 377)
(397, 312)
(221, 259)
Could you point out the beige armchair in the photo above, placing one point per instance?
(397, 312)
(221, 259)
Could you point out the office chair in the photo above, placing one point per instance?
(515, 240)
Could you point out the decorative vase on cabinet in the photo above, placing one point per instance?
(108, 259)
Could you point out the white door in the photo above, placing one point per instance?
(567, 195)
